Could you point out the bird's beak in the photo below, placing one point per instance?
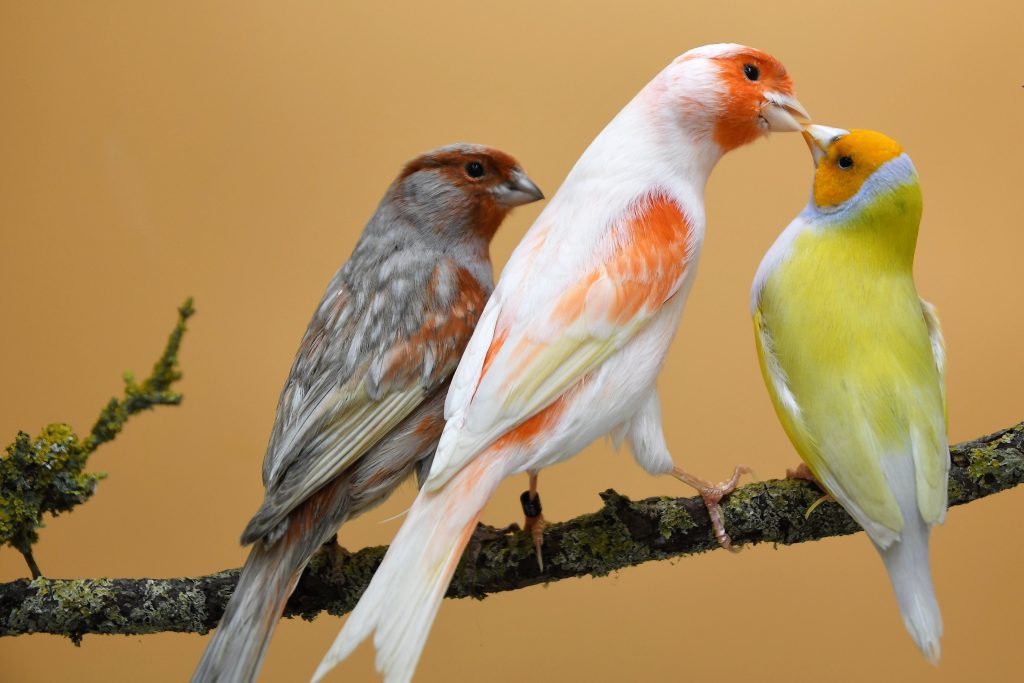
(820, 138)
(517, 191)
(784, 113)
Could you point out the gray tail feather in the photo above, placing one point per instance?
(906, 561)
(235, 653)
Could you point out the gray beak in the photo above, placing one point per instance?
(784, 113)
(517, 191)
(820, 138)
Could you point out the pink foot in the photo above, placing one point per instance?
(802, 471)
(534, 523)
(712, 495)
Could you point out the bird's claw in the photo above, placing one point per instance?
(712, 495)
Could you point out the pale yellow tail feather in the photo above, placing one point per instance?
(402, 600)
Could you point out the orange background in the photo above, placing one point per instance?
(233, 151)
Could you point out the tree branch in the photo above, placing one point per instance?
(621, 534)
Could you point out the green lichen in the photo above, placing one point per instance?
(73, 604)
(154, 391)
(518, 547)
(985, 463)
(163, 603)
(672, 518)
(956, 492)
(41, 475)
(46, 474)
(601, 547)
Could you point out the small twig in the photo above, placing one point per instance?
(30, 560)
(46, 475)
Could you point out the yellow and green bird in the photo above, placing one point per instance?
(854, 360)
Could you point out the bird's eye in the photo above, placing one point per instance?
(751, 72)
(845, 162)
(475, 169)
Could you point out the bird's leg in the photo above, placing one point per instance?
(802, 471)
(534, 523)
(712, 495)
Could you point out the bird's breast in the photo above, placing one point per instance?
(839, 323)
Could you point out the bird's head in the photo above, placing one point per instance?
(732, 93)
(463, 188)
(854, 166)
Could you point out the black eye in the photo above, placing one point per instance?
(751, 72)
(845, 162)
(475, 169)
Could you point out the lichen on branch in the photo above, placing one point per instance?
(620, 534)
(46, 474)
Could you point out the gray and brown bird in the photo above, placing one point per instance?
(363, 406)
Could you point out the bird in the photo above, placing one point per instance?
(362, 407)
(854, 359)
(570, 344)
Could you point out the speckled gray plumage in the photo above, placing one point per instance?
(378, 299)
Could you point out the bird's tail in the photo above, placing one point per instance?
(907, 562)
(236, 651)
(403, 598)
(269, 576)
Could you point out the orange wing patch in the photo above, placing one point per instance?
(650, 257)
(650, 254)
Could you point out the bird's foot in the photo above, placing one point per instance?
(712, 495)
(802, 471)
(330, 558)
(534, 524)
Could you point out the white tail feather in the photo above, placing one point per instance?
(406, 591)
(906, 561)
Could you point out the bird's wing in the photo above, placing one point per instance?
(931, 320)
(341, 397)
(531, 353)
(931, 445)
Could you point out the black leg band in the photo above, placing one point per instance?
(531, 506)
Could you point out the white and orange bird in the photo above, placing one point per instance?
(569, 347)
